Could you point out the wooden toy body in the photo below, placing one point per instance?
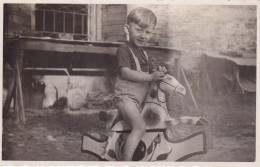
(164, 139)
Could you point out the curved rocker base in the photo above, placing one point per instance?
(153, 147)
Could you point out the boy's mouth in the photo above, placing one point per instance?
(140, 41)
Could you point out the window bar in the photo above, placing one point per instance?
(82, 24)
(88, 27)
(64, 22)
(43, 21)
(73, 23)
(54, 13)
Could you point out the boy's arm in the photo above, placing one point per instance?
(137, 76)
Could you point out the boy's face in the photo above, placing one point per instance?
(138, 35)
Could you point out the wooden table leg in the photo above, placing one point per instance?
(16, 106)
(10, 95)
(236, 73)
(20, 94)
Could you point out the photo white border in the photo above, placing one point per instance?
(140, 164)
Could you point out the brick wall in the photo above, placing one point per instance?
(217, 28)
(200, 27)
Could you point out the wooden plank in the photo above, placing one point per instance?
(58, 47)
(88, 43)
(251, 61)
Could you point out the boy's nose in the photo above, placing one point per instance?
(143, 35)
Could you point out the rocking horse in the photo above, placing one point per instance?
(166, 138)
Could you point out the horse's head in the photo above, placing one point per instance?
(169, 84)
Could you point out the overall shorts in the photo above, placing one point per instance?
(129, 91)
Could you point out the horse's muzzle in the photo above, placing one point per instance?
(180, 90)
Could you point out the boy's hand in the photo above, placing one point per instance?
(162, 69)
(157, 75)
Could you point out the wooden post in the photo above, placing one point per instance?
(177, 67)
(189, 89)
(206, 85)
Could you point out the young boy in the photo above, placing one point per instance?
(135, 74)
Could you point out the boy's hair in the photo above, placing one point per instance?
(142, 16)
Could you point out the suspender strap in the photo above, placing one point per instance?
(145, 55)
(138, 66)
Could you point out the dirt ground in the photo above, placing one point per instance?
(53, 135)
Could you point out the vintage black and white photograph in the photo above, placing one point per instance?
(129, 82)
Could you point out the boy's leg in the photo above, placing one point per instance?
(132, 115)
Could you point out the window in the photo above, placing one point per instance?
(63, 18)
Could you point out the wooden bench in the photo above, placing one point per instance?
(47, 56)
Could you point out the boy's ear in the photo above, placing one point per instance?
(126, 28)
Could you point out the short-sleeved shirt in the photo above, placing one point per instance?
(126, 90)
(125, 57)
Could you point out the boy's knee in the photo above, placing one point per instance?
(141, 128)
